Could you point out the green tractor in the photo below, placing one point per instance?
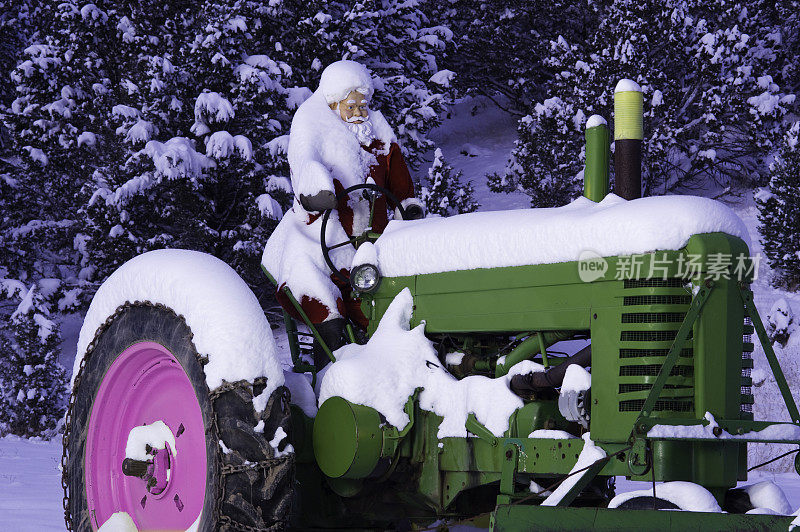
(662, 394)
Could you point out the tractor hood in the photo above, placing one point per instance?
(522, 237)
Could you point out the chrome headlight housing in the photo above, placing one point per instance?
(365, 278)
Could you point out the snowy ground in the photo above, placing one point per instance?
(30, 487)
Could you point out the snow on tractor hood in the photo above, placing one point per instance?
(227, 322)
(521, 237)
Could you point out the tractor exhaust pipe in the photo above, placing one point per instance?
(628, 136)
(531, 384)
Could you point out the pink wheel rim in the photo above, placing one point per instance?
(145, 384)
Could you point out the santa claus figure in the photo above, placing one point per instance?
(336, 141)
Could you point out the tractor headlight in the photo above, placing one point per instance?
(365, 278)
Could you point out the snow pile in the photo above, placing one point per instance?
(443, 77)
(88, 138)
(548, 434)
(177, 158)
(576, 379)
(781, 324)
(590, 454)
(157, 435)
(687, 496)
(212, 107)
(596, 120)
(119, 522)
(321, 147)
(627, 85)
(365, 254)
(396, 361)
(37, 155)
(225, 317)
(343, 77)
(766, 495)
(454, 359)
(778, 431)
(546, 236)
(276, 441)
(268, 207)
(222, 144)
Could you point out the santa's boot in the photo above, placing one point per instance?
(333, 334)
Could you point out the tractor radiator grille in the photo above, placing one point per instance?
(657, 300)
(627, 388)
(636, 405)
(649, 336)
(651, 370)
(639, 353)
(637, 332)
(747, 355)
(652, 317)
(654, 283)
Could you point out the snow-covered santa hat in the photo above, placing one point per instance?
(343, 77)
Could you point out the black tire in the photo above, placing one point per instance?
(258, 497)
(647, 502)
(737, 501)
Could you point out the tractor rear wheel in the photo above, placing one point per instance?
(194, 458)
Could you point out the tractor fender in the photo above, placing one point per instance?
(229, 327)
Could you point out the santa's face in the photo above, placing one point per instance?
(353, 109)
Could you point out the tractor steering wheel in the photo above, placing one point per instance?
(371, 191)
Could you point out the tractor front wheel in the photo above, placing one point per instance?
(146, 436)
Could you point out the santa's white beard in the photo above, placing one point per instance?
(363, 131)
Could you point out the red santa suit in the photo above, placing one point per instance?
(324, 154)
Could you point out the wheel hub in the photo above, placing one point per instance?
(155, 473)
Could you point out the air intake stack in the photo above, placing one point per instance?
(628, 136)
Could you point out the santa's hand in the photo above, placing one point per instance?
(321, 201)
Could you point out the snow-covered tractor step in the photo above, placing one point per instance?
(178, 415)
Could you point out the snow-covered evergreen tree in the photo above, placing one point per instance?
(712, 109)
(33, 384)
(197, 131)
(59, 129)
(779, 214)
(501, 46)
(546, 163)
(443, 192)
